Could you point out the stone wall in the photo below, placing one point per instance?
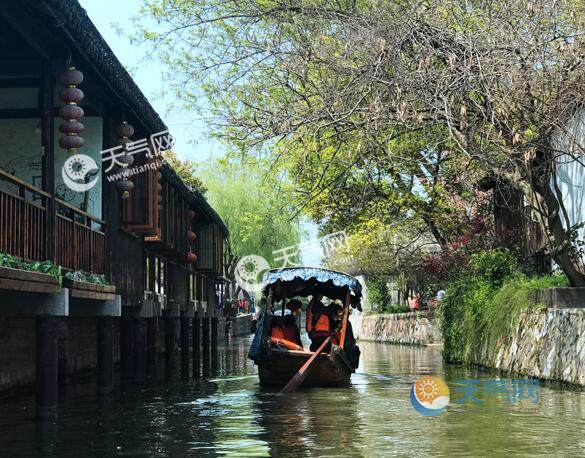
(17, 352)
(547, 343)
(414, 328)
(77, 349)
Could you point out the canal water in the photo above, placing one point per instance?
(229, 414)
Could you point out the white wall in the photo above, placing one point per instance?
(92, 136)
(20, 155)
(571, 171)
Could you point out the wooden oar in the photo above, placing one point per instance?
(301, 375)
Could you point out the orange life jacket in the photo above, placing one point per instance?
(285, 332)
(322, 324)
(290, 333)
(277, 332)
(309, 320)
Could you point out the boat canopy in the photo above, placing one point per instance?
(308, 281)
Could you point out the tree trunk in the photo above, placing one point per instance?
(564, 252)
(544, 198)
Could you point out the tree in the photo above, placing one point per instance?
(187, 171)
(251, 201)
(502, 81)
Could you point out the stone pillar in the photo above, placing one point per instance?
(151, 344)
(47, 367)
(125, 349)
(105, 356)
(140, 349)
(205, 322)
(185, 338)
(62, 337)
(214, 333)
(170, 338)
(196, 347)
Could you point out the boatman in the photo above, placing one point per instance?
(317, 322)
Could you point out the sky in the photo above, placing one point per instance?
(190, 132)
(192, 140)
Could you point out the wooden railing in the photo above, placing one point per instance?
(23, 218)
(79, 237)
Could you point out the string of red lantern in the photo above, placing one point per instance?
(191, 257)
(71, 113)
(124, 132)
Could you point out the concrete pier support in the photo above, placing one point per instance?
(140, 349)
(185, 338)
(47, 367)
(196, 347)
(205, 325)
(214, 333)
(105, 356)
(170, 339)
(151, 344)
(126, 328)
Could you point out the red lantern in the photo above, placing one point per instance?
(71, 112)
(190, 257)
(191, 236)
(71, 142)
(71, 95)
(191, 215)
(71, 127)
(71, 77)
(125, 130)
(125, 186)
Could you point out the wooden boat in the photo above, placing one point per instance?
(276, 364)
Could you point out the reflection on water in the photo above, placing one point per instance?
(228, 414)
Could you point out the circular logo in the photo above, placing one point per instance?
(79, 173)
(248, 271)
(429, 396)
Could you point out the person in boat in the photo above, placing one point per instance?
(295, 307)
(315, 307)
(350, 346)
(285, 328)
(336, 315)
(318, 322)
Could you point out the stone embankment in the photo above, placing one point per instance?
(546, 342)
(414, 328)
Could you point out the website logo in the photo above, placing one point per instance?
(80, 173)
(429, 396)
(248, 272)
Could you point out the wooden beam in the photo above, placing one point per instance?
(29, 287)
(48, 158)
(30, 29)
(22, 82)
(33, 113)
(345, 318)
(27, 276)
(96, 295)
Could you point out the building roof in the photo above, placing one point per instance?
(82, 33)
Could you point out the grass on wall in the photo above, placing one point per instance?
(485, 304)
